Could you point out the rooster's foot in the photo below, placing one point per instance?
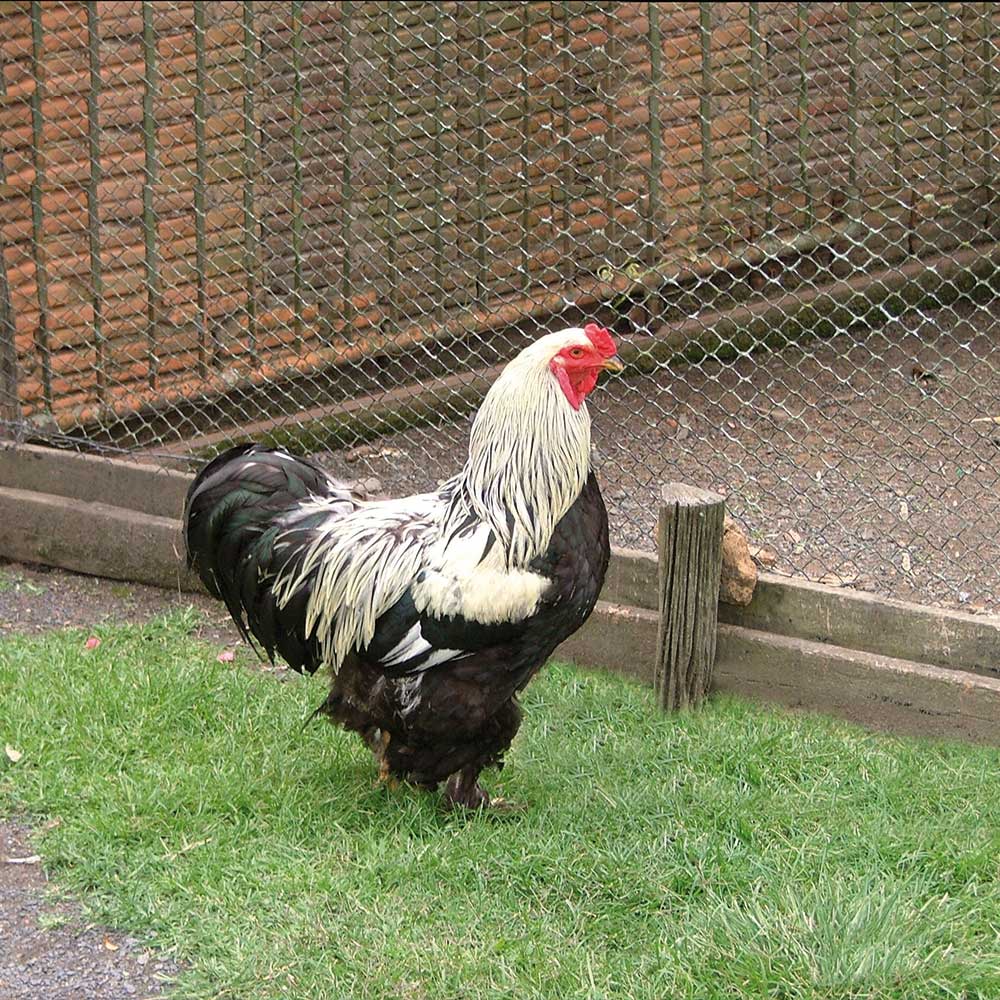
(498, 804)
(464, 791)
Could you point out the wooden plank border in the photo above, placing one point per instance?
(781, 605)
(115, 482)
(93, 538)
(836, 615)
(881, 692)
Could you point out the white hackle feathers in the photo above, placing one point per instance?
(467, 549)
(529, 452)
(359, 565)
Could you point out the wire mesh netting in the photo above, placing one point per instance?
(325, 224)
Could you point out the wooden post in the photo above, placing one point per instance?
(10, 407)
(689, 543)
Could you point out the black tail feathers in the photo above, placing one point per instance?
(235, 499)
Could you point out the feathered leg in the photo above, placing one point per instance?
(358, 701)
(486, 750)
(463, 790)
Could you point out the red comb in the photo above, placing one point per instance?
(601, 339)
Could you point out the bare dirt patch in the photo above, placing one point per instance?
(48, 950)
(36, 599)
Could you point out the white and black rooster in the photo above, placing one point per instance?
(433, 611)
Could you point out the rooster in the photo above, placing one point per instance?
(430, 612)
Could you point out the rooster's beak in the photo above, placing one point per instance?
(613, 365)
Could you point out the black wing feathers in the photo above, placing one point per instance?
(576, 561)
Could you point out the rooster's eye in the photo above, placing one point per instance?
(577, 352)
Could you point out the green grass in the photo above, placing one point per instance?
(737, 852)
(16, 582)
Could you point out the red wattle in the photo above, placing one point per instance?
(566, 384)
(574, 382)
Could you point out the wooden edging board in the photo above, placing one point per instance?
(881, 692)
(117, 482)
(781, 605)
(93, 537)
(837, 615)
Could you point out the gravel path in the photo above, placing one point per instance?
(47, 952)
(854, 459)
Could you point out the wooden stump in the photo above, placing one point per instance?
(690, 566)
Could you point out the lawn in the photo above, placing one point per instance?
(736, 852)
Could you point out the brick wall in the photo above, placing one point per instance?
(374, 175)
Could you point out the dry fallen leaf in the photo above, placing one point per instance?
(12, 755)
(92, 642)
(110, 945)
(226, 656)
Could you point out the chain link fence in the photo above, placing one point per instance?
(325, 224)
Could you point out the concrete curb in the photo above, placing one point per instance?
(881, 692)
(94, 538)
